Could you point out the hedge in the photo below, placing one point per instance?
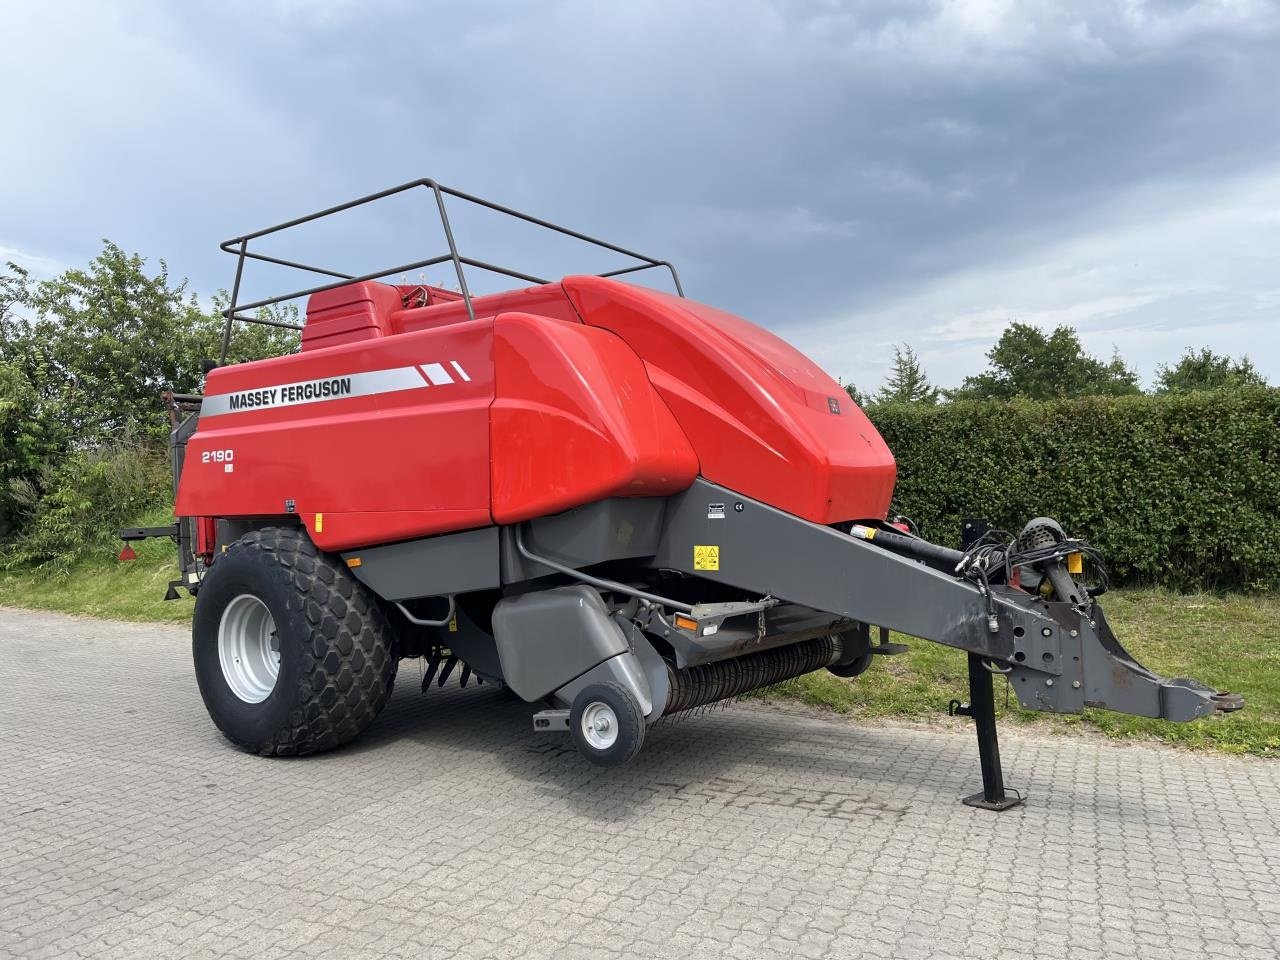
(1181, 490)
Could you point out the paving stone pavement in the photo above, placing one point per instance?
(129, 828)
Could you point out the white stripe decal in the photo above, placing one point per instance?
(437, 374)
(462, 373)
(340, 387)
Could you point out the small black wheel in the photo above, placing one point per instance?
(607, 724)
(292, 654)
(853, 668)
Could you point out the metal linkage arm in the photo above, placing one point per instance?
(1056, 658)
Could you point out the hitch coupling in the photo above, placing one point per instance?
(1041, 625)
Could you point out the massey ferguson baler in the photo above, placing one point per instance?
(619, 503)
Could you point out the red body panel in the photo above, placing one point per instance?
(575, 420)
(757, 411)
(357, 311)
(548, 300)
(395, 423)
(385, 466)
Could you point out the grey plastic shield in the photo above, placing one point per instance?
(549, 638)
(431, 567)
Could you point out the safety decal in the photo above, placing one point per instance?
(706, 557)
(339, 387)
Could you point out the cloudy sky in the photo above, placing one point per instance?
(850, 173)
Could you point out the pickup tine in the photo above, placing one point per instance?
(432, 666)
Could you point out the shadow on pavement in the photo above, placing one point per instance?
(737, 757)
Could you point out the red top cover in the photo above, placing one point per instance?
(763, 418)
(397, 423)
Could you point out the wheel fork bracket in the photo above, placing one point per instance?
(551, 721)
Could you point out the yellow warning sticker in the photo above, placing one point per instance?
(1075, 563)
(706, 558)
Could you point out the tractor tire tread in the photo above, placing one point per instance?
(349, 667)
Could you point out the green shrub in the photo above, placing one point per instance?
(1181, 490)
(79, 504)
(84, 357)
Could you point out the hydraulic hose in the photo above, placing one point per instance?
(942, 558)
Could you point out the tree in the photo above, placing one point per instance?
(24, 445)
(84, 357)
(1027, 363)
(23, 448)
(15, 290)
(100, 343)
(856, 395)
(907, 382)
(1206, 370)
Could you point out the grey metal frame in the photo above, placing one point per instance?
(799, 580)
(1057, 658)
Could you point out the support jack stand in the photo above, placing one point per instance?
(982, 708)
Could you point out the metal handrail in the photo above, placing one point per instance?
(239, 246)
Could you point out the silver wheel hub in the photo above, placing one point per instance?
(249, 648)
(599, 725)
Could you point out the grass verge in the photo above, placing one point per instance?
(106, 588)
(1229, 641)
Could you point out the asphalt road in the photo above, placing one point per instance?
(129, 828)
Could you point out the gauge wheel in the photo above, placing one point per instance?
(607, 724)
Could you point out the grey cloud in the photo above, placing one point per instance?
(799, 160)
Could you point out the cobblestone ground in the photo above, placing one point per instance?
(129, 828)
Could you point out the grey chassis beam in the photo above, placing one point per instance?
(1056, 659)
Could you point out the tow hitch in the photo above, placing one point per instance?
(1021, 606)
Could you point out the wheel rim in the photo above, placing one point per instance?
(249, 648)
(599, 725)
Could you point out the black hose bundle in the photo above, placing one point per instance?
(1040, 546)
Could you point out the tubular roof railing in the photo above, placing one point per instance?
(239, 246)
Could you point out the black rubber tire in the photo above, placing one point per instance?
(337, 656)
(853, 668)
(630, 724)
